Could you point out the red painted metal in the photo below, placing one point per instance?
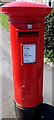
(28, 78)
(21, 12)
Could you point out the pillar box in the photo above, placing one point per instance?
(27, 45)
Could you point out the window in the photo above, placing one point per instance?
(50, 3)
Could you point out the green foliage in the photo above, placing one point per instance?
(49, 36)
(4, 21)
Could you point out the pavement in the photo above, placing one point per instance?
(6, 75)
(6, 83)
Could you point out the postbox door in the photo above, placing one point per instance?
(29, 82)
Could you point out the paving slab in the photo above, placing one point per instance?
(6, 73)
(48, 84)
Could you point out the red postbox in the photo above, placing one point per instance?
(27, 45)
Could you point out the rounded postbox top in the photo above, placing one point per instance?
(24, 4)
(25, 10)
